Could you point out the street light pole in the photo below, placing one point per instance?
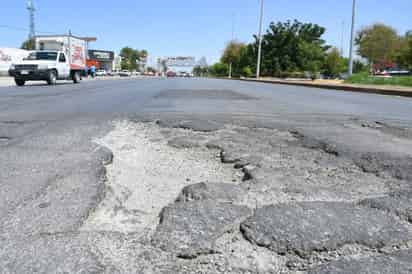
(260, 41)
(352, 38)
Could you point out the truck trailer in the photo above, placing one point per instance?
(9, 56)
(57, 57)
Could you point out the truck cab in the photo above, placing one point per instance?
(46, 65)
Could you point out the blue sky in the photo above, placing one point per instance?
(189, 27)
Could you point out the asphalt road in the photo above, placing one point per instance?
(125, 97)
(51, 166)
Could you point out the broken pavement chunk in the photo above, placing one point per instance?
(191, 229)
(304, 228)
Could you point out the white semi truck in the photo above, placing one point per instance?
(60, 57)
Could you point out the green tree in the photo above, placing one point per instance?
(408, 54)
(359, 66)
(200, 71)
(219, 69)
(151, 69)
(132, 57)
(163, 65)
(334, 63)
(378, 43)
(29, 44)
(129, 58)
(232, 55)
(292, 46)
(248, 60)
(403, 57)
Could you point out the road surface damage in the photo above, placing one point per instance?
(224, 198)
(205, 196)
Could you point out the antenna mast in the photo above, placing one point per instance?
(31, 9)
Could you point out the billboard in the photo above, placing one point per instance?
(181, 61)
(101, 55)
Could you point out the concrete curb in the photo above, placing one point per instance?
(384, 90)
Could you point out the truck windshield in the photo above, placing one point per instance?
(42, 56)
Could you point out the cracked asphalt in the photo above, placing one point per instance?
(203, 176)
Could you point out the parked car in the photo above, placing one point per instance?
(149, 73)
(101, 72)
(399, 72)
(113, 73)
(171, 74)
(125, 73)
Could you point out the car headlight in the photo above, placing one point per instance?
(12, 67)
(43, 66)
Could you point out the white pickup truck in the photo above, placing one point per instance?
(55, 58)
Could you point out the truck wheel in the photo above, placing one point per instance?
(20, 82)
(52, 78)
(76, 77)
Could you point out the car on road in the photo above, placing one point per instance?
(101, 72)
(171, 74)
(113, 73)
(125, 73)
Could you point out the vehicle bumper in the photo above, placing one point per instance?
(31, 75)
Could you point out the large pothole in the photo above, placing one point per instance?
(147, 174)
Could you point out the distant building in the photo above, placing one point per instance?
(103, 58)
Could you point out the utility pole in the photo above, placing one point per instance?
(31, 9)
(260, 41)
(233, 37)
(352, 38)
(342, 38)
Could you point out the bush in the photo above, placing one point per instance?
(365, 78)
(294, 74)
(247, 72)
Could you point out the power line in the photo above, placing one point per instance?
(13, 28)
(23, 29)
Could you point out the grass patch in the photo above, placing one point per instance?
(365, 78)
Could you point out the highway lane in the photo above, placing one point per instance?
(128, 97)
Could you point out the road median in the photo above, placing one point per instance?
(338, 85)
